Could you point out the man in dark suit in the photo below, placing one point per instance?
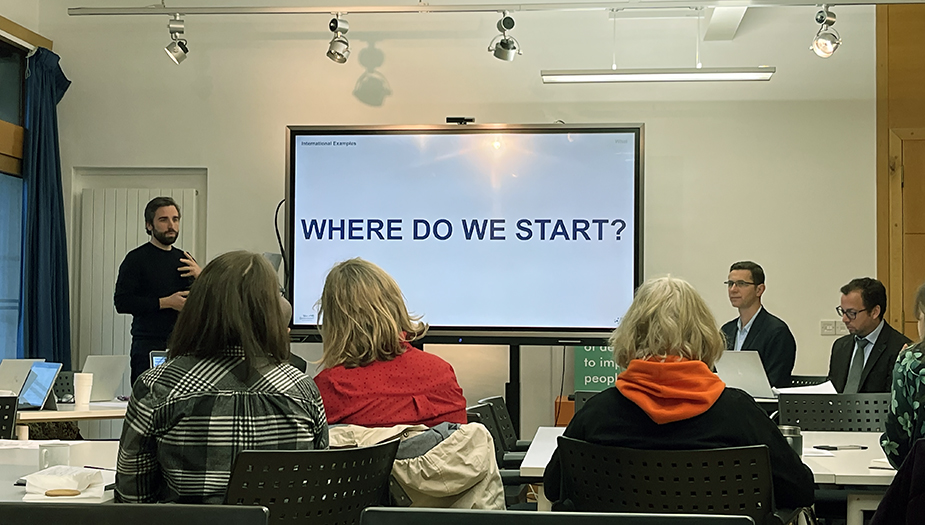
(755, 328)
(862, 361)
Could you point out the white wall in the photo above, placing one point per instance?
(24, 13)
(779, 172)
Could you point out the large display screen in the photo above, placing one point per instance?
(493, 233)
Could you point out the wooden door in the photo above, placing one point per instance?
(907, 226)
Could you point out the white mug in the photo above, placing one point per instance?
(51, 454)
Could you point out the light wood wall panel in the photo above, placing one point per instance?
(112, 224)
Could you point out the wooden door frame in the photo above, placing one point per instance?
(894, 244)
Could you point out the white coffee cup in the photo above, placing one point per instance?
(83, 385)
(51, 454)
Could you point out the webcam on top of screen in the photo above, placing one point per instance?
(462, 121)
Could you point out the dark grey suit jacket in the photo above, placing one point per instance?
(771, 338)
(878, 371)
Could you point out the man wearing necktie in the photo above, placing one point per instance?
(862, 362)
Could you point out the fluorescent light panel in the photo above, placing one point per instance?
(706, 74)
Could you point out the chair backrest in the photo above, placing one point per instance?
(298, 362)
(807, 380)
(57, 513)
(582, 397)
(503, 420)
(64, 384)
(318, 486)
(8, 416)
(392, 516)
(839, 412)
(729, 481)
(485, 417)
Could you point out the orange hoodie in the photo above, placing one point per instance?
(670, 390)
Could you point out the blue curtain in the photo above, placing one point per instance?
(44, 318)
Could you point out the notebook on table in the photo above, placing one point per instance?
(108, 371)
(743, 370)
(39, 384)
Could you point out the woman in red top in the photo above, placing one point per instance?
(373, 377)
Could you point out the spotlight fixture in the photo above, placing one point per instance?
(177, 49)
(339, 48)
(826, 40)
(505, 47)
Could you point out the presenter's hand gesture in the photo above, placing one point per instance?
(191, 269)
(175, 301)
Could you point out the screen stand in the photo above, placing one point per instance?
(512, 388)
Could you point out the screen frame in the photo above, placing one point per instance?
(476, 334)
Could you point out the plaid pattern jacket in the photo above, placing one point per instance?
(189, 418)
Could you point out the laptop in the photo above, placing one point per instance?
(13, 373)
(158, 357)
(108, 371)
(743, 370)
(38, 385)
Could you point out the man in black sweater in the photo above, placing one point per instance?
(154, 280)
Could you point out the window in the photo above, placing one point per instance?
(12, 69)
(10, 261)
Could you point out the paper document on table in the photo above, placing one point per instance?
(824, 388)
(816, 453)
(25, 443)
(110, 404)
(90, 482)
(881, 464)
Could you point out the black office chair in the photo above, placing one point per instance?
(807, 380)
(505, 426)
(319, 486)
(64, 384)
(582, 397)
(728, 481)
(8, 406)
(514, 483)
(481, 413)
(298, 362)
(838, 412)
(386, 516)
(134, 514)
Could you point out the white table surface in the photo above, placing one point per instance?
(18, 462)
(846, 467)
(68, 412)
(850, 467)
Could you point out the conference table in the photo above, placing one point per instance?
(69, 412)
(21, 458)
(844, 469)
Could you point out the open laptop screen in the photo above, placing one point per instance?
(39, 383)
(158, 357)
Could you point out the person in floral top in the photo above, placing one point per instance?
(906, 421)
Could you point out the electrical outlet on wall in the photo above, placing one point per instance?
(827, 327)
(841, 329)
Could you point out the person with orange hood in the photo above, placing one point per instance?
(667, 398)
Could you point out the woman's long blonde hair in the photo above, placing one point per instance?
(363, 317)
(667, 318)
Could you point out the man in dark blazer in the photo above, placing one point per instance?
(755, 328)
(862, 361)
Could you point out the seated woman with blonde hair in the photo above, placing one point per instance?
(373, 377)
(668, 399)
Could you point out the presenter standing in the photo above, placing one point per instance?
(154, 280)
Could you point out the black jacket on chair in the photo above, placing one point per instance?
(771, 338)
(878, 371)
